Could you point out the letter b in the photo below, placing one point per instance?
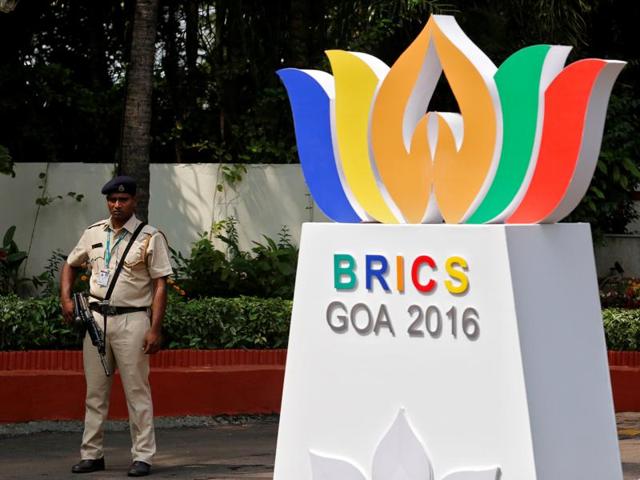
(344, 265)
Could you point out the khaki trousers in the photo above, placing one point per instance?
(125, 339)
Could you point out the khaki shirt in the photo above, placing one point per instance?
(147, 259)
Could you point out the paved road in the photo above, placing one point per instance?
(629, 435)
(217, 451)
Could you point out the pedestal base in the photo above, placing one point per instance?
(447, 352)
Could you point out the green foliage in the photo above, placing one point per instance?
(11, 257)
(231, 175)
(622, 328)
(27, 324)
(48, 279)
(268, 270)
(242, 322)
(273, 266)
(206, 272)
(61, 80)
(46, 283)
(216, 95)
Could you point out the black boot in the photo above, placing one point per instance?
(139, 469)
(87, 466)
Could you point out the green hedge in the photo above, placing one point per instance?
(622, 328)
(243, 322)
(27, 324)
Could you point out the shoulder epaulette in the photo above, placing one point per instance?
(149, 230)
(97, 224)
(153, 230)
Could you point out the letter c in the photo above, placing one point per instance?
(415, 271)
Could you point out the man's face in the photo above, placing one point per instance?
(121, 205)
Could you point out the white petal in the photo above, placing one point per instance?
(490, 474)
(327, 468)
(400, 455)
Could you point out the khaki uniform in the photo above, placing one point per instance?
(147, 259)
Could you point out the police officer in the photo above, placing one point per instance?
(133, 321)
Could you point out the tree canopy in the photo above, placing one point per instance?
(217, 98)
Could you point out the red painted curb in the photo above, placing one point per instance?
(625, 383)
(624, 368)
(72, 359)
(49, 385)
(624, 359)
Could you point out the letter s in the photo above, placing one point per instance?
(458, 275)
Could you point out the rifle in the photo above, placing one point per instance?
(84, 316)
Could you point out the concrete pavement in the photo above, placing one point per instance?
(213, 451)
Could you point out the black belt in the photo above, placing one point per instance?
(111, 310)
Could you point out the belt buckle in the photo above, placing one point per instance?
(107, 309)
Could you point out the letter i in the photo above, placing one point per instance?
(400, 273)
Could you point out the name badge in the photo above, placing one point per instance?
(103, 278)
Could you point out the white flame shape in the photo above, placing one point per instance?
(400, 455)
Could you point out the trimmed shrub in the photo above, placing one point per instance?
(34, 323)
(207, 323)
(622, 328)
(243, 322)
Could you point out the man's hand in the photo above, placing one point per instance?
(67, 310)
(152, 342)
(67, 278)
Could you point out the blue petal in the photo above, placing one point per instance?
(311, 107)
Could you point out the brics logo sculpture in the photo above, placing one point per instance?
(522, 149)
(489, 336)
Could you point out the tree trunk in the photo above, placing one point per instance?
(136, 130)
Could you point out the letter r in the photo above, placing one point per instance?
(344, 265)
(382, 265)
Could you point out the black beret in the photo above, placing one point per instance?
(121, 184)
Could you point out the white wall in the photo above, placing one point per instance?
(621, 249)
(184, 201)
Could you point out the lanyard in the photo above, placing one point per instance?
(107, 253)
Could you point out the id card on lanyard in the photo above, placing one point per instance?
(103, 275)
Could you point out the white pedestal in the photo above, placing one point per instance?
(526, 397)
